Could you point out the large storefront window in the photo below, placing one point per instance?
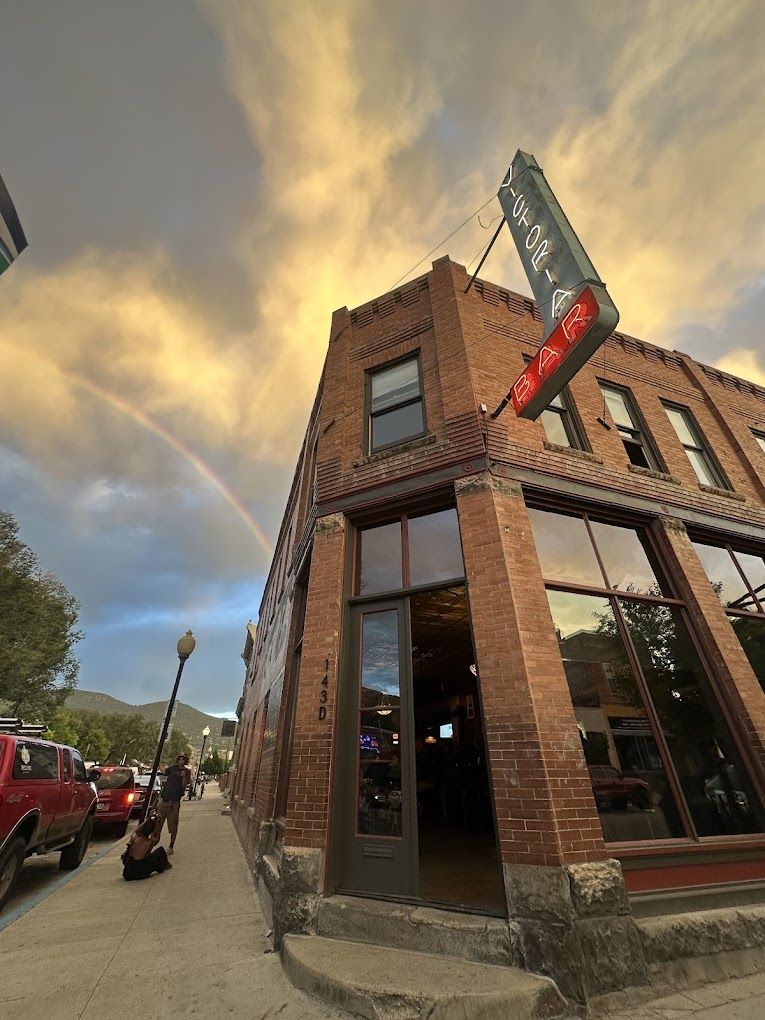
(739, 580)
(661, 760)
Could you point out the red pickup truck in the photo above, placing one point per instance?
(46, 803)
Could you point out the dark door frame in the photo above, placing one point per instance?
(360, 863)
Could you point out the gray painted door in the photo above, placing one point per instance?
(376, 811)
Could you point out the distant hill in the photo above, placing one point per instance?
(187, 719)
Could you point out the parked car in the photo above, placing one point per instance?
(141, 787)
(613, 789)
(46, 803)
(116, 795)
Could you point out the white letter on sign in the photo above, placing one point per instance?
(518, 205)
(532, 239)
(522, 387)
(574, 321)
(539, 254)
(547, 357)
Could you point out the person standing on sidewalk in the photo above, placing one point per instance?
(177, 780)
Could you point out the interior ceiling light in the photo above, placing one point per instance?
(430, 740)
(474, 669)
(384, 711)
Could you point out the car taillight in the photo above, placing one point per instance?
(130, 797)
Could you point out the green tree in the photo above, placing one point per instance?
(132, 737)
(213, 765)
(177, 743)
(38, 619)
(81, 730)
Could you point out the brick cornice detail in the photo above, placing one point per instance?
(330, 522)
(487, 482)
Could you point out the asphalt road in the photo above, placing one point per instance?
(41, 874)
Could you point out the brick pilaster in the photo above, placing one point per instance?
(545, 808)
(307, 814)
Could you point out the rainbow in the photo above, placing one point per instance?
(203, 469)
(200, 466)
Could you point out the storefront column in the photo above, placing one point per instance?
(301, 876)
(566, 899)
(738, 684)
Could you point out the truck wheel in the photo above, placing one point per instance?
(71, 856)
(11, 864)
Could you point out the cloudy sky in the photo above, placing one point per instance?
(203, 183)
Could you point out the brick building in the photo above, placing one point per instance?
(490, 673)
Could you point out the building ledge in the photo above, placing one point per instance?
(660, 476)
(727, 493)
(571, 451)
(393, 451)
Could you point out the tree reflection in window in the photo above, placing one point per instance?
(738, 579)
(654, 737)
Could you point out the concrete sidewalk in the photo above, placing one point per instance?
(188, 942)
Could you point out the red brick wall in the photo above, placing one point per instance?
(308, 799)
(543, 799)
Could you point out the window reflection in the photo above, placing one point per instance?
(396, 425)
(715, 785)
(380, 559)
(751, 634)
(435, 553)
(625, 560)
(564, 548)
(754, 570)
(379, 803)
(379, 659)
(629, 783)
(725, 577)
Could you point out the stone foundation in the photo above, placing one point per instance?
(574, 925)
(290, 890)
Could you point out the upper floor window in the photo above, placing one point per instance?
(395, 404)
(699, 454)
(632, 432)
(560, 423)
(760, 437)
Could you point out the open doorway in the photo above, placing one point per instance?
(458, 856)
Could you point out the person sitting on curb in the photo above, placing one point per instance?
(139, 859)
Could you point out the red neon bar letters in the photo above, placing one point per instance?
(570, 331)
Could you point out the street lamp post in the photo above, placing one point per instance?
(205, 735)
(186, 646)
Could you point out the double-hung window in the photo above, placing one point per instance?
(396, 410)
(632, 432)
(707, 470)
(560, 423)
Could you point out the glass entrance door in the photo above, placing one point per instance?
(375, 787)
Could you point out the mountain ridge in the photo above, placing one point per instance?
(189, 720)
